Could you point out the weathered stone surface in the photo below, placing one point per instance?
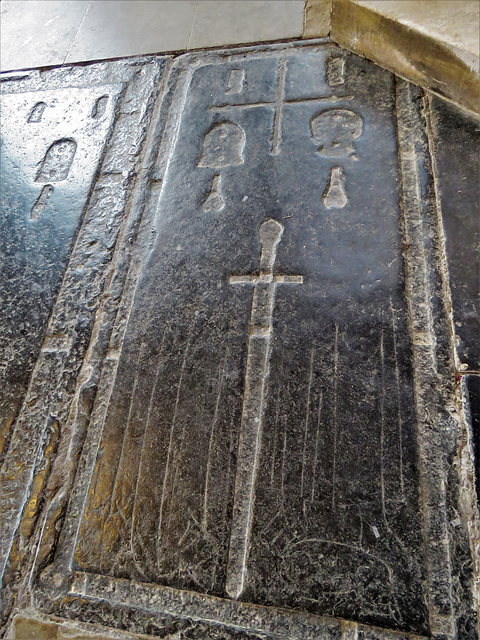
(32, 629)
(70, 106)
(457, 143)
(333, 456)
(257, 442)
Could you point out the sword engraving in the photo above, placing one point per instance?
(258, 357)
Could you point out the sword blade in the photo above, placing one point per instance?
(257, 369)
(258, 357)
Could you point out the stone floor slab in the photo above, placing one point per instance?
(457, 141)
(64, 202)
(51, 147)
(113, 29)
(300, 395)
(245, 21)
(38, 33)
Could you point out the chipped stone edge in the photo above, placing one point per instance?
(278, 623)
(465, 454)
(69, 629)
(442, 432)
(58, 575)
(468, 489)
(431, 424)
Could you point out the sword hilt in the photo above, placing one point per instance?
(269, 234)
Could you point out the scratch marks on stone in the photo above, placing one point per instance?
(323, 541)
(382, 424)
(284, 455)
(317, 435)
(256, 374)
(220, 383)
(261, 620)
(432, 424)
(276, 139)
(148, 425)
(171, 438)
(399, 401)
(307, 417)
(277, 427)
(126, 430)
(335, 425)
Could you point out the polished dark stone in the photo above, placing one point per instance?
(473, 412)
(457, 144)
(335, 519)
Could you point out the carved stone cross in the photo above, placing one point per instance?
(258, 356)
(335, 76)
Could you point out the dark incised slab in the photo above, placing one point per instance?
(473, 411)
(457, 143)
(258, 442)
(227, 350)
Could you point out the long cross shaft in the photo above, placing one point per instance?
(258, 357)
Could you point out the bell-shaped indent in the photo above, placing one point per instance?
(57, 161)
(223, 146)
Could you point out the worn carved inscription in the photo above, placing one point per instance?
(255, 441)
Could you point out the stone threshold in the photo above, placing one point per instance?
(417, 54)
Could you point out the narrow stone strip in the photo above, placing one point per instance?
(281, 624)
(433, 475)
